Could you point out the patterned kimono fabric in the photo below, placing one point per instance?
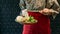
(41, 27)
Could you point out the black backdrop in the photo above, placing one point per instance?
(9, 9)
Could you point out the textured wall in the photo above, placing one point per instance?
(9, 10)
(55, 24)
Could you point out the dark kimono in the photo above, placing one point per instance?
(43, 24)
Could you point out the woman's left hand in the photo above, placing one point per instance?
(46, 12)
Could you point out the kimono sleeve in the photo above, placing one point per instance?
(55, 7)
(22, 4)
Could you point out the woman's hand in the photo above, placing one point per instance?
(46, 12)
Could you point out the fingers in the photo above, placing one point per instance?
(54, 12)
(44, 12)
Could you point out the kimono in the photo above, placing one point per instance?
(43, 24)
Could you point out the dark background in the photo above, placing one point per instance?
(9, 9)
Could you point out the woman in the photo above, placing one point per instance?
(40, 10)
